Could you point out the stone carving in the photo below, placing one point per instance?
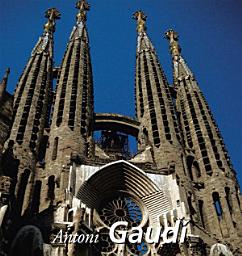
(220, 250)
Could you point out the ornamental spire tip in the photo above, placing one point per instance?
(141, 21)
(52, 15)
(172, 36)
(83, 7)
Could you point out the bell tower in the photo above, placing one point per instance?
(72, 114)
(154, 107)
(210, 168)
(67, 174)
(30, 112)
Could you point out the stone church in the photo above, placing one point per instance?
(55, 175)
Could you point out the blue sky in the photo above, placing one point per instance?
(210, 36)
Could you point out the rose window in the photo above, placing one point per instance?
(121, 208)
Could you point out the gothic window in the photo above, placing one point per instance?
(55, 148)
(51, 187)
(228, 198)
(36, 197)
(70, 216)
(189, 166)
(217, 204)
(193, 169)
(201, 211)
(22, 188)
(42, 149)
(196, 169)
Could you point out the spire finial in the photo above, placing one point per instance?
(141, 19)
(83, 7)
(52, 14)
(172, 36)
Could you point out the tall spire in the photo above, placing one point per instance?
(197, 109)
(3, 84)
(202, 136)
(73, 108)
(154, 107)
(31, 103)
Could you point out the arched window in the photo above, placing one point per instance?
(193, 168)
(36, 197)
(22, 188)
(70, 216)
(217, 204)
(55, 148)
(51, 187)
(196, 169)
(189, 160)
(42, 149)
(228, 198)
(201, 211)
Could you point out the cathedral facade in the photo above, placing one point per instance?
(57, 178)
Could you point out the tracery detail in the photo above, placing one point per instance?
(121, 207)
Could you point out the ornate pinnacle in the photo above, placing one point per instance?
(172, 36)
(52, 14)
(141, 19)
(83, 6)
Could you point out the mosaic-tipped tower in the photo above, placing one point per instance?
(154, 107)
(73, 107)
(31, 101)
(219, 194)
